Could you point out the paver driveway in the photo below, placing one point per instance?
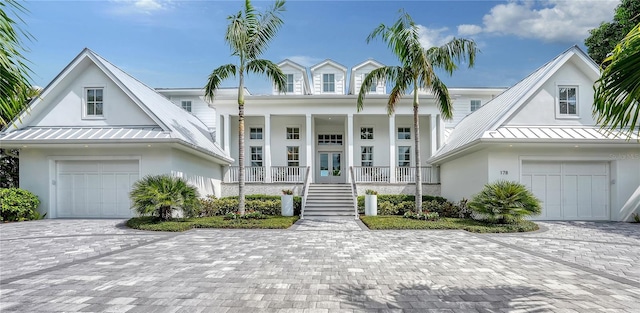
(98, 266)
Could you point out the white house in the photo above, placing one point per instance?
(96, 129)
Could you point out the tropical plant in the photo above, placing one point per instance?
(370, 192)
(287, 192)
(616, 102)
(14, 86)
(248, 35)
(505, 202)
(416, 72)
(603, 39)
(18, 205)
(160, 195)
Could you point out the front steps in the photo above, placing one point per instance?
(329, 201)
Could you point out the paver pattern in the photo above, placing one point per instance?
(344, 270)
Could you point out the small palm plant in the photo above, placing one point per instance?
(505, 202)
(160, 195)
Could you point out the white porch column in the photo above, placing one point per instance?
(350, 155)
(440, 131)
(433, 135)
(218, 129)
(267, 148)
(392, 149)
(227, 134)
(309, 142)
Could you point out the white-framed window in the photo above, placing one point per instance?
(328, 83)
(186, 105)
(404, 156)
(366, 132)
(404, 133)
(94, 102)
(374, 84)
(475, 104)
(366, 156)
(293, 132)
(255, 133)
(324, 139)
(293, 156)
(567, 100)
(256, 155)
(289, 82)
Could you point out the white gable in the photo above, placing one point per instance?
(300, 78)
(359, 72)
(328, 68)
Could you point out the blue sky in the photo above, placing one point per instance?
(178, 43)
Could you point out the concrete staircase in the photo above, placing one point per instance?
(328, 201)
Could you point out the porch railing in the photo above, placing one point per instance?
(288, 174)
(429, 174)
(252, 174)
(371, 174)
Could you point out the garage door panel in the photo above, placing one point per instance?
(540, 167)
(600, 200)
(553, 197)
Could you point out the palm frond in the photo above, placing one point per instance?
(264, 29)
(402, 81)
(441, 93)
(216, 77)
(382, 74)
(453, 52)
(271, 70)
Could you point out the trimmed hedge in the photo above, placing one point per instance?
(265, 204)
(397, 204)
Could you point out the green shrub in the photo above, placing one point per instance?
(18, 205)
(448, 209)
(247, 215)
(266, 204)
(397, 199)
(505, 202)
(427, 216)
(387, 208)
(160, 195)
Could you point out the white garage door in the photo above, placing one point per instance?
(95, 189)
(569, 190)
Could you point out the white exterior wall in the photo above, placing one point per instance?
(249, 122)
(462, 107)
(358, 77)
(66, 107)
(37, 166)
(199, 108)
(465, 176)
(380, 141)
(203, 174)
(279, 141)
(541, 109)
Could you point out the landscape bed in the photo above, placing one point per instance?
(399, 222)
(176, 225)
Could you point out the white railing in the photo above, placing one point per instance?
(252, 174)
(288, 174)
(371, 174)
(430, 174)
(354, 192)
(305, 190)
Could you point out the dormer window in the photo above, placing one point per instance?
(475, 104)
(94, 103)
(328, 83)
(289, 82)
(567, 100)
(374, 84)
(186, 105)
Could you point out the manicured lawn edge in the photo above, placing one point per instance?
(399, 222)
(178, 225)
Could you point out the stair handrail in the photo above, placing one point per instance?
(305, 190)
(354, 192)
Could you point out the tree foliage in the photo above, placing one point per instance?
(603, 39)
(505, 202)
(248, 35)
(160, 195)
(416, 72)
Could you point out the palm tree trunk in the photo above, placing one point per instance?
(416, 130)
(241, 142)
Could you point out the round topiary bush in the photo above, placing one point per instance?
(505, 202)
(18, 205)
(160, 195)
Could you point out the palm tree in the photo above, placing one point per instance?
(160, 195)
(248, 35)
(617, 93)
(416, 71)
(14, 85)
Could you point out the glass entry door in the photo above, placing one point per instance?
(329, 169)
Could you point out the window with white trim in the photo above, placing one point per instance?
(255, 133)
(475, 104)
(366, 156)
(186, 105)
(568, 100)
(366, 132)
(404, 133)
(374, 84)
(293, 132)
(293, 156)
(256, 155)
(404, 156)
(94, 102)
(328, 83)
(329, 140)
(289, 82)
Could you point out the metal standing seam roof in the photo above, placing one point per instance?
(474, 126)
(57, 134)
(562, 133)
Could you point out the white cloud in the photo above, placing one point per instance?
(304, 60)
(469, 30)
(549, 21)
(433, 37)
(148, 7)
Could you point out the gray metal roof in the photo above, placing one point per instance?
(562, 133)
(58, 134)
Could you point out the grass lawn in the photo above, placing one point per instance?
(399, 222)
(271, 222)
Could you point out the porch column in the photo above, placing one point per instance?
(433, 132)
(350, 155)
(440, 131)
(227, 134)
(218, 129)
(392, 149)
(309, 142)
(267, 148)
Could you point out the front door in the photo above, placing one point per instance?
(329, 169)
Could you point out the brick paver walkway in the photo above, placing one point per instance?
(571, 267)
